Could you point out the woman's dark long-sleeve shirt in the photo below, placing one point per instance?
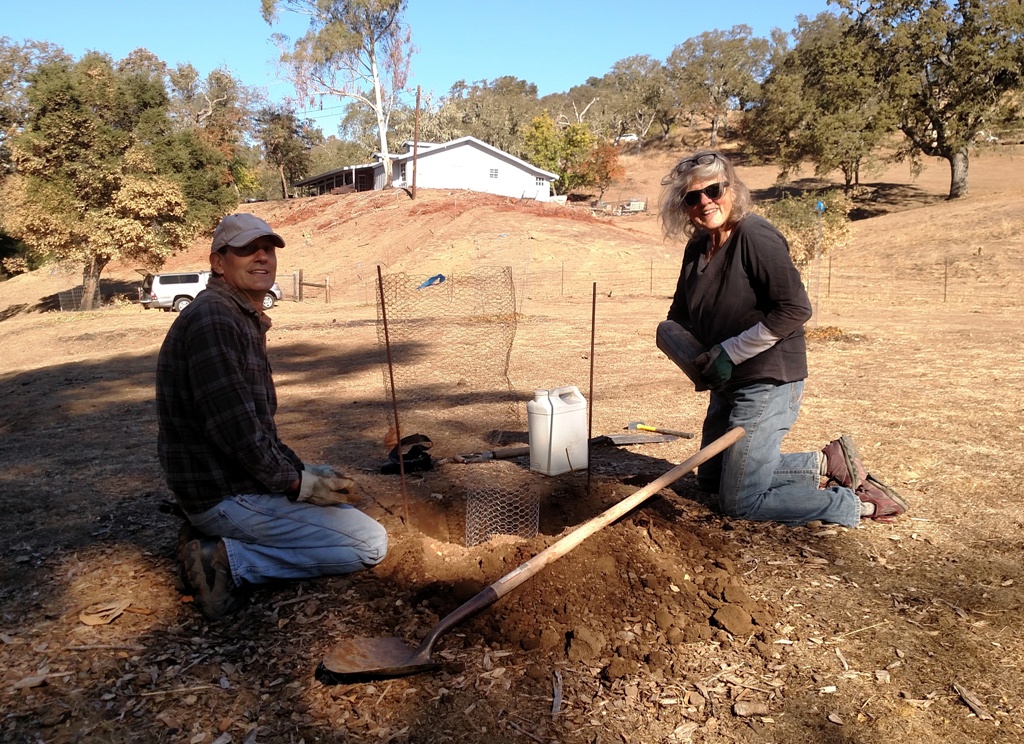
(751, 280)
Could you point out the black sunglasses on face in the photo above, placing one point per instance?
(248, 250)
(712, 191)
(684, 165)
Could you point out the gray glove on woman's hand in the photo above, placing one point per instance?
(327, 491)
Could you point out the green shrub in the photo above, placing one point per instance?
(809, 231)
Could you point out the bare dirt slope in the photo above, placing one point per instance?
(661, 627)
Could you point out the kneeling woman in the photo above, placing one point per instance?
(736, 327)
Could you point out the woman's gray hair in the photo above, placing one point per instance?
(702, 165)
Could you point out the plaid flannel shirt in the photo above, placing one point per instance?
(216, 403)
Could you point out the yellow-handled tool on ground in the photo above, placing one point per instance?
(641, 426)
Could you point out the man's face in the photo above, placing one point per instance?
(252, 268)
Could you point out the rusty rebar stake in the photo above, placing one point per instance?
(394, 396)
(590, 409)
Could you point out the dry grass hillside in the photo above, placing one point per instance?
(664, 626)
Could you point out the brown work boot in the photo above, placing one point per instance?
(209, 573)
(186, 534)
(842, 464)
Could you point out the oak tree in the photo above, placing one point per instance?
(718, 72)
(947, 69)
(497, 111)
(639, 84)
(820, 103)
(86, 188)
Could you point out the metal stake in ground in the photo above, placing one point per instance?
(590, 414)
(362, 659)
(394, 397)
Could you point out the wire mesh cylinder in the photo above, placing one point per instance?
(451, 341)
(502, 498)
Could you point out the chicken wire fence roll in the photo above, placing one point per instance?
(502, 498)
(451, 341)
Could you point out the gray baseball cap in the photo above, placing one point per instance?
(239, 230)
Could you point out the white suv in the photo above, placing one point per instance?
(175, 290)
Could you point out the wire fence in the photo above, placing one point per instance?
(830, 282)
(71, 300)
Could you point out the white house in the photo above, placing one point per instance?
(468, 163)
(464, 163)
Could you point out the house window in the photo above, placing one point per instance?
(540, 181)
(402, 174)
(494, 172)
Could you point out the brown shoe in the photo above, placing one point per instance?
(209, 573)
(888, 504)
(842, 463)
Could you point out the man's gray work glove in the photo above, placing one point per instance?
(324, 471)
(327, 491)
(715, 367)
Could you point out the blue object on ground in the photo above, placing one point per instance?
(435, 279)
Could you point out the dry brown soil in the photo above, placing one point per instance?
(673, 624)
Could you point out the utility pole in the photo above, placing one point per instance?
(415, 143)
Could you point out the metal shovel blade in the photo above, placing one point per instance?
(359, 659)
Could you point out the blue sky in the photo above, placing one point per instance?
(555, 45)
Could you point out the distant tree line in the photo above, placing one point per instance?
(130, 159)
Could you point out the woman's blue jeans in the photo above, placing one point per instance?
(752, 478)
(269, 537)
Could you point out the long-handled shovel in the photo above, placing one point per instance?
(361, 659)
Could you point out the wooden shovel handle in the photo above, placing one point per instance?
(556, 550)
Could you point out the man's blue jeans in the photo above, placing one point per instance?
(752, 478)
(269, 537)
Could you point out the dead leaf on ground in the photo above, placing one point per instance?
(103, 613)
(36, 680)
(972, 701)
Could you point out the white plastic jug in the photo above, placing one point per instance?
(557, 425)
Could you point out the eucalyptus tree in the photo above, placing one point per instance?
(354, 49)
(718, 72)
(948, 69)
(437, 122)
